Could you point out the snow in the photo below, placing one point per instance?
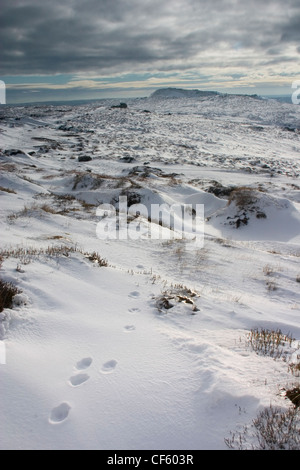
(91, 361)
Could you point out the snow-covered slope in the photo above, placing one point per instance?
(140, 343)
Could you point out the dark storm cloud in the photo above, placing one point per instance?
(107, 36)
(291, 30)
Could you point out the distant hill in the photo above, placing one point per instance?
(181, 93)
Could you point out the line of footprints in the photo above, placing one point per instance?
(61, 412)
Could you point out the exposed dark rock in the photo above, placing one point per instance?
(219, 190)
(127, 159)
(13, 152)
(120, 106)
(132, 197)
(261, 215)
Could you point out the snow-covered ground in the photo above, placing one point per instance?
(94, 359)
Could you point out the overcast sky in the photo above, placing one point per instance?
(118, 48)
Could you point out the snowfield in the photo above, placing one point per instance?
(141, 343)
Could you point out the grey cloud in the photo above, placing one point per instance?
(291, 30)
(132, 35)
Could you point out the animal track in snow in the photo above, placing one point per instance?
(60, 413)
(134, 310)
(84, 363)
(129, 328)
(78, 379)
(134, 294)
(109, 366)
